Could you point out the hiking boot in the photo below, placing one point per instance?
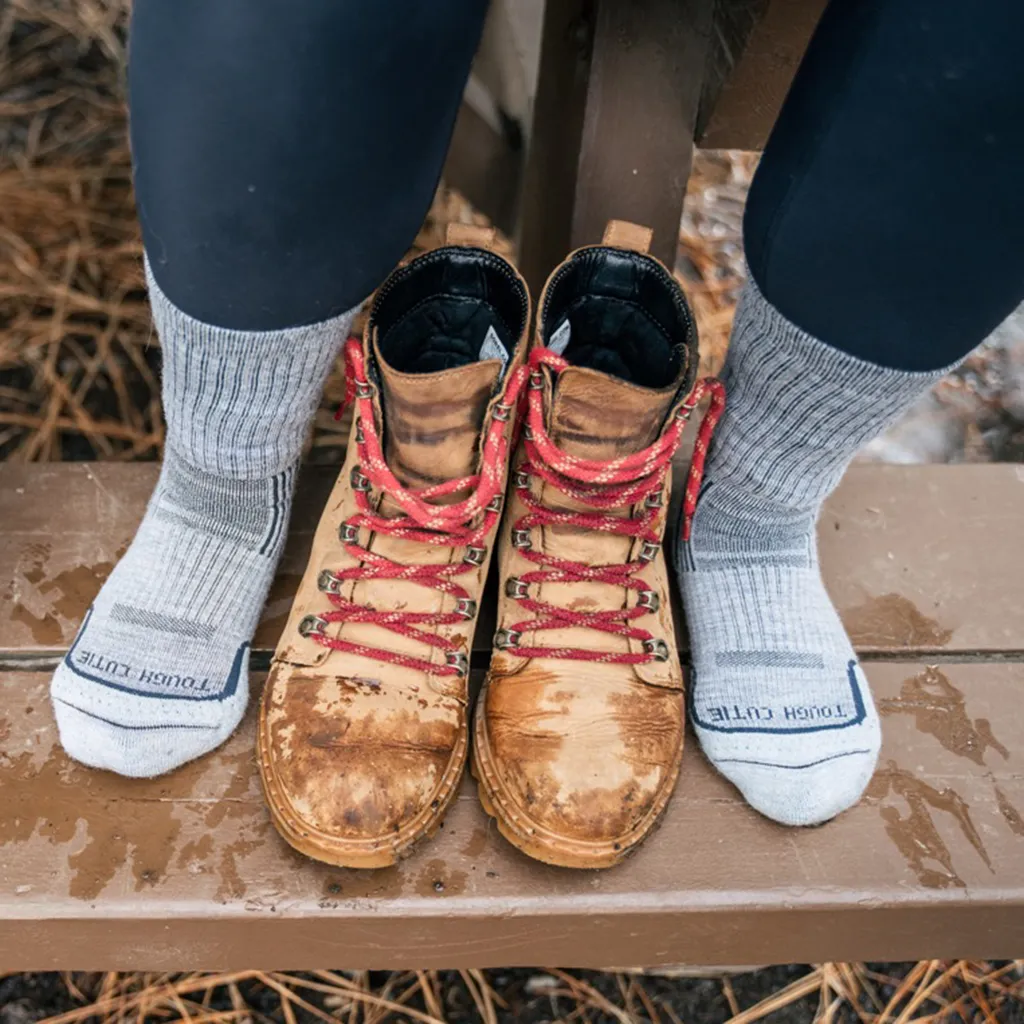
(579, 729)
(363, 726)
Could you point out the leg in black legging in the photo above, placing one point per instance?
(887, 216)
(286, 151)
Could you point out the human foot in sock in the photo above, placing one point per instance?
(779, 701)
(158, 673)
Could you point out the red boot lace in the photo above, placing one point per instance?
(448, 526)
(631, 480)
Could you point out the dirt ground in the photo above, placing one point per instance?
(786, 995)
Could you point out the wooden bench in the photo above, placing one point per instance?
(622, 94)
(926, 566)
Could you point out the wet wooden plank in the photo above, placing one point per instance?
(187, 872)
(64, 526)
(920, 560)
(928, 558)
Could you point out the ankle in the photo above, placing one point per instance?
(252, 513)
(239, 403)
(745, 525)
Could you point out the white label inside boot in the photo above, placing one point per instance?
(560, 339)
(492, 348)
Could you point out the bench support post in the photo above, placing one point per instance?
(617, 101)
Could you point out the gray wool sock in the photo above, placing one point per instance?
(779, 701)
(158, 673)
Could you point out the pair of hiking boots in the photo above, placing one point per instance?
(469, 437)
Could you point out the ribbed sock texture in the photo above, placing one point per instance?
(779, 701)
(158, 673)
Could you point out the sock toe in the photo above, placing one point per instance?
(808, 795)
(138, 752)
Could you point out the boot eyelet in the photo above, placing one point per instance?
(521, 540)
(506, 639)
(522, 480)
(359, 481)
(458, 661)
(517, 588)
(312, 625)
(648, 550)
(536, 380)
(658, 648)
(466, 607)
(686, 408)
(360, 436)
(528, 432)
(363, 389)
(648, 599)
(348, 533)
(654, 500)
(501, 412)
(495, 504)
(328, 583)
(474, 555)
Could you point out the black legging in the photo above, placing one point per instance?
(887, 215)
(286, 152)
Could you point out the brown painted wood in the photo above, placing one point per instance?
(187, 872)
(486, 167)
(637, 145)
(928, 558)
(617, 100)
(734, 21)
(920, 560)
(549, 180)
(623, 90)
(754, 64)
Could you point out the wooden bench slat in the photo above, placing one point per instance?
(187, 872)
(744, 91)
(928, 559)
(64, 526)
(920, 560)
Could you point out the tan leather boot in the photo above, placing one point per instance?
(579, 730)
(363, 726)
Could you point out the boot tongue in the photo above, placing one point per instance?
(597, 416)
(432, 421)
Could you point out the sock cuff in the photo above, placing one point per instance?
(239, 403)
(797, 409)
(759, 325)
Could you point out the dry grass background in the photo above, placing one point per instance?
(79, 379)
